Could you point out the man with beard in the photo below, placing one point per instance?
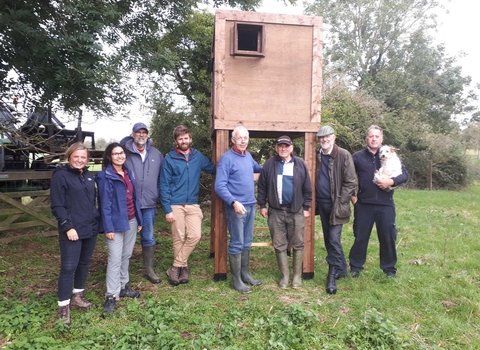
(180, 184)
(145, 161)
(335, 186)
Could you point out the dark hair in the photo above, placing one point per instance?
(77, 146)
(181, 130)
(107, 155)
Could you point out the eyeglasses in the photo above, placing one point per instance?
(241, 139)
(118, 154)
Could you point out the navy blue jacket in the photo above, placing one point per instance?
(72, 200)
(267, 185)
(112, 200)
(368, 192)
(180, 180)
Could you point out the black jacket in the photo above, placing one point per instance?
(267, 185)
(72, 196)
(368, 192)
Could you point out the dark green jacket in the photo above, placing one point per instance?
(343, 183)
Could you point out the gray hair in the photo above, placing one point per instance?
(374, 127)
(238, 128)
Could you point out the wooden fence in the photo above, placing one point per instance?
(17, 202)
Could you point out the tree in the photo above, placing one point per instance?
(382, 49)
(350, 112)
(71, 54)
(53, 55)
(365, 34)
(185, 75)
(472, 137)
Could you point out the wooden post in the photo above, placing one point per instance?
(309, 240)
(218, 229)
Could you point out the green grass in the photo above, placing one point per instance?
(432, 304)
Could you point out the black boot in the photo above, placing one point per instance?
(148, 259)
(130, 293)
(235, 267)
(331, 285)
(109, 304)
(246, 277)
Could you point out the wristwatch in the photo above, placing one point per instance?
(233, 203)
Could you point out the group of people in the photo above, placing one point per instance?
(121, 200)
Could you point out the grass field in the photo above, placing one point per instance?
(432, 304)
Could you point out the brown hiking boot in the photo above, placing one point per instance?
(172, 274)
(79, 302)
(64, 314)
(184, 274)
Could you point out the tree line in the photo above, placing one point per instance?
(381, 66)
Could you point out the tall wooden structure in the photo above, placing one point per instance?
(267, 77)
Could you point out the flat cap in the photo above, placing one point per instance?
(325, 131)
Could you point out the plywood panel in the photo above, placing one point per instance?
(276, 87)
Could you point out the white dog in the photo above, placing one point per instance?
(391, 165)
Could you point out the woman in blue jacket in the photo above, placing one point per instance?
(121, 219)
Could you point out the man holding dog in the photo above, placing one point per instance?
(374, 205)
(336, 183)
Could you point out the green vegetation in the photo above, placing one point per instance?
(432, 304)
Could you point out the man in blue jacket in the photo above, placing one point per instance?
(374, 205)
(180, 184)
(234, 185)
(145, 162)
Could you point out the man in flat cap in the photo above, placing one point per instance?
(145, 161)
(336, 183)
(285, 186)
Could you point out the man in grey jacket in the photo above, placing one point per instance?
(145, 161)
(285, 185)
(336, 183)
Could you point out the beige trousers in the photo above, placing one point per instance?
(186, 232)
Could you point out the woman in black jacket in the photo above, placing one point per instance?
(72, 195)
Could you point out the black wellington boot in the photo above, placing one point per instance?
(331, 285)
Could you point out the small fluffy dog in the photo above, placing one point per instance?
(391, 165)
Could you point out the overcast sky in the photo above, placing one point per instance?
(457, 31)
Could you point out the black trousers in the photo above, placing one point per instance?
(383, 216)
(332, 236)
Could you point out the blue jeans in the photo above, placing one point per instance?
(240, 228)
(75, 259)
(146, 234)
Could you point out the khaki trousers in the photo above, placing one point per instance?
(186, 232)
